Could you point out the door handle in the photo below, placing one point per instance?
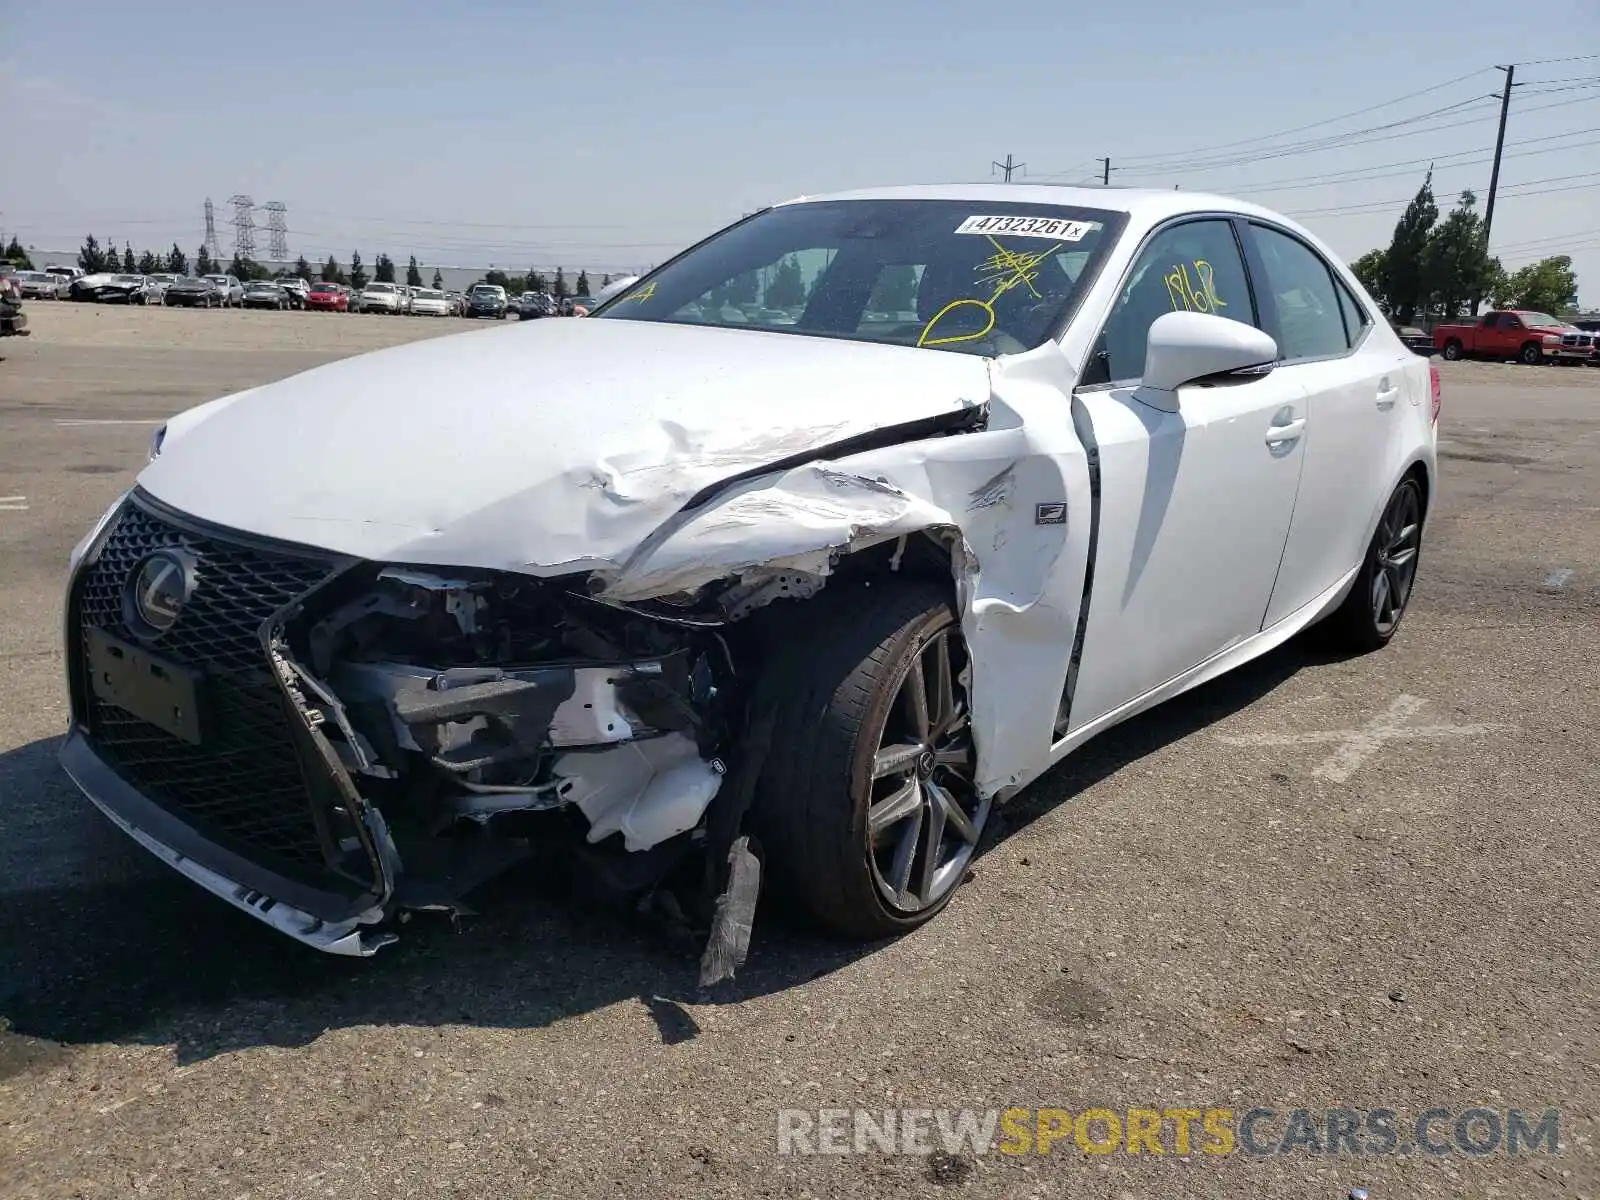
(1387, 395)
(1291, 431)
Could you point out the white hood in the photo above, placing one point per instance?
(547, 447)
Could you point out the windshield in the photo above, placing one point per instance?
(1542, 321)
(217, 278)
(485, 289)
(428, 294)
(380, 287)
(262, 286)
(974, 276)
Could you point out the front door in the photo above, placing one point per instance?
(1195, 504)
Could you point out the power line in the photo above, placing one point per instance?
(1267, 137)
(1372, 206)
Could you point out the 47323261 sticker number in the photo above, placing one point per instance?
(1056, 228)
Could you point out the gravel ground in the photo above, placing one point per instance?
(1196, 911)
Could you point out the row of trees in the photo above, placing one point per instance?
(1441, 270)
(93, 259)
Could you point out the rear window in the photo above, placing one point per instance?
(972, 276)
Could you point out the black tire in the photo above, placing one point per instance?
(835, 688)
(1359, 625)
(1531, 354)
(1451, 351)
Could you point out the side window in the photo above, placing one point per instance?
(1193, 267)
(1310, 324)
(1355, 317)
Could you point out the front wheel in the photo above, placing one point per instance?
(867, 809)
(1371, 612)
(1531, 354)
(1451, 351)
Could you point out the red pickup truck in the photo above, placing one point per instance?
(1509, 333)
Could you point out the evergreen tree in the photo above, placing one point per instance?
(148, 264)
(537, 282)
(302, 268)
(413, 273)
(1456, 266)
(129, 262)
(1404, 267)
(788, 287)
(438, 279)
(560, 291)
(331, 270)
(91, 258)
(582, 286)
(17, 256)
(176, 262)
(203, 263)
(358, 273)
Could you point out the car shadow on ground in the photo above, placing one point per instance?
(148, 958)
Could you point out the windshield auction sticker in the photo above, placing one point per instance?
(1056, 228)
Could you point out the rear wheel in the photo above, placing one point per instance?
(1451, 351)
(867, 809)
(1377, 601)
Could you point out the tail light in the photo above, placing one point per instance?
(1438, 397)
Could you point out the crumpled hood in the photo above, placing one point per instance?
(550, 447)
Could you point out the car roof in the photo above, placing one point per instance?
(1145, 205)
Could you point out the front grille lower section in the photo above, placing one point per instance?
(244, 787)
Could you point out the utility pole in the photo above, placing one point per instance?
(1499, 144)
(1007, 167)
(1105, 173)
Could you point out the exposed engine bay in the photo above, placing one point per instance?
(485, 718)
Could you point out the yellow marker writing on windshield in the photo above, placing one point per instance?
(1005, 269)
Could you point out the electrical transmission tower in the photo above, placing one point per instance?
(277, 230)
(244, 226)
(211, 231)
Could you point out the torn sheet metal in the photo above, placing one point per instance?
(1018, 582)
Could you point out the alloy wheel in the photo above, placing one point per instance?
(1395, 558)
(924, 814)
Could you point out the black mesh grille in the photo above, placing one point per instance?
(244, 785)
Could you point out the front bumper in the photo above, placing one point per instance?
(269, 898)
(250, 811)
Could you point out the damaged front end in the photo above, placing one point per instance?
(485, 718)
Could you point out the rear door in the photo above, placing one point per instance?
(1356, 395)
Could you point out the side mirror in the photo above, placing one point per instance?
(1185, 346)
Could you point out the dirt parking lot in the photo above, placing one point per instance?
(1363, 884)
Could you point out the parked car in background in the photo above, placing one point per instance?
(428, 302)
(615, 288)
(41, 285)
(155, 288)
(86, 288)
(458, 303)
(328, 297)
(231, 289)
(379, 298)
(121, 289)
(1530, 337)
(13, 321)
(295, 289)
(65, 273)
(486, 300)
(1420, 341)
(533, 305)
(192, 292)
(265, 293)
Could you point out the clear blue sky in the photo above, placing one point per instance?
(605, 135)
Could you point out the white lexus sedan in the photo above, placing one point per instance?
(691, 602)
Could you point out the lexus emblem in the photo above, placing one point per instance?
(158, 591)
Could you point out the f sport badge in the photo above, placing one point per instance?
(1050, 514)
